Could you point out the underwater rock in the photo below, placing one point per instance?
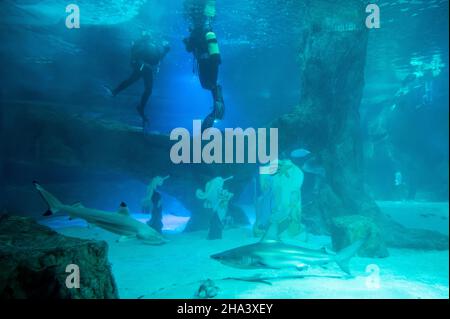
(34, 260)
(327, 118)
(396, 235)
(96, 145)
(348, 229)
(207, 290)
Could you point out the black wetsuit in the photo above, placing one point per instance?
(208, 70)
(156, 221)
(145, 56)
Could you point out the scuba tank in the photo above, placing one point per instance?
(147, 52)
(152, 53)
(213, 45)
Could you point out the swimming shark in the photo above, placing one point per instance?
(116, 223)
(274, 254)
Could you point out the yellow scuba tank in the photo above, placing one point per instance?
(213, 45)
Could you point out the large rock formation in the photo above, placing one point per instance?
(33, 261)
(45, 143)
(348, 229)
(327, 120)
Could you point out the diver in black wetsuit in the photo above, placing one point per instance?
(145, 58)
(202, 42)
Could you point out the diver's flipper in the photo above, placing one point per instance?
(208, 122)
(219, 110)
(219, 104)
(141, 111)
(145, 122)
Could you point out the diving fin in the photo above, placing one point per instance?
(141, 112)
(208, 122)
(219, 104)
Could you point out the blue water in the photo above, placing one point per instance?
(404, 125)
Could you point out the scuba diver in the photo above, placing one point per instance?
(146, 55)
(202, 43)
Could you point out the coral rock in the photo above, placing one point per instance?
(33, 261)
(347, 229)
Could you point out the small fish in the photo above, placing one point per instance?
(300, 153)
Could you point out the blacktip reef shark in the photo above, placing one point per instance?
(274, 254)
(116, 223)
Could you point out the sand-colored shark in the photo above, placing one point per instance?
(274, 254)
(116, 223)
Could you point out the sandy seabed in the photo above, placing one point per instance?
(178, 268)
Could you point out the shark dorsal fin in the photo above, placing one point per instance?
(123, 209)
(327, 251)
(77, 205)
(271, 233)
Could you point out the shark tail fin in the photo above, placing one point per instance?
(343, 257)
(52, 202)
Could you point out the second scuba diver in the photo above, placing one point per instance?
(202, 43)
(146, 55)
